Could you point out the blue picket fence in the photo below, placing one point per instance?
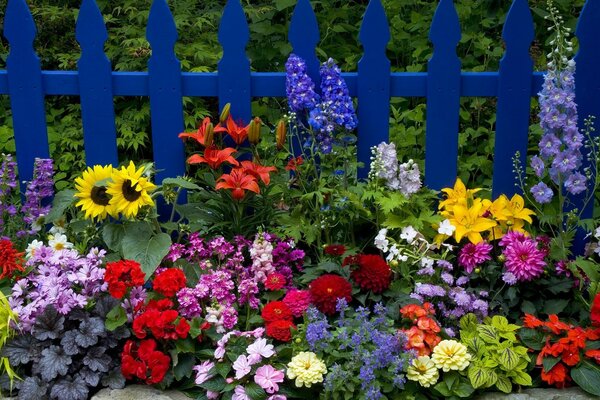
(373, 84)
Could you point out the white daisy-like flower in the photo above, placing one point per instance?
(446, 228)
(32, 247)
(59, 242)
(409, 234)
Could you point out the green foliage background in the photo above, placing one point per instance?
(480, 49)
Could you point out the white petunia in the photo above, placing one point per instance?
(381, 241)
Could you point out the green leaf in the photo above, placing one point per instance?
(255, 392)
(112, 234)
(503, 384)
(521, 378)
(183, 369)
(590, 268)
(587, 376)
(442, 389)
(215, 384)
(478, 376)
(142, 244)
(463, 390)
(488, 333)
(183, 183)
(528, 307)
(549, 363)
(283, 4)
(61, 202)
(509, 359)
(532, 338)
(469, 322)
(115, 318)
(555, 306)
(223, 368)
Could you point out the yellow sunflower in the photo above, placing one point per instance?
(92, 192)
(129, 190)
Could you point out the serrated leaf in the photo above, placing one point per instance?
(508, 359)
(488, 334)
(54, 362)
(62, 200)
(478, 376)
(503, 384)
(69, 389)
(33, 388)
(587, 376)
(142, 244)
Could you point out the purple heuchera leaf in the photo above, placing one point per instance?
(67, 389)
(33, 388)
(54, 362)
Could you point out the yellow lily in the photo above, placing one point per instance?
(469, 222)
(457, 195)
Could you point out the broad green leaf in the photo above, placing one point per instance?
(442, 389)
(115, 318)
(528, 307)
(479, 377)
(183, 369)
(463, 390)
(112, 234)
(142, 244)
(469, 322)
(215, 384)
(549, 363)
(223, 369)
(590, 268)
(62, 201)
(587, 376)
(555, 306)
(532, 338)
(183, 183)
(509, 359)
(488, 333)
(503, 384)
(255, 392)
(521, 378)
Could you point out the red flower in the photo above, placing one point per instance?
(238, 133)
(122, 275)
(214, 157)
(335, 250)
(281, 330)
(238, 181)
(372, 273)
(293, 164)
(276, 311)
(10, 259)
(531, 322)
(595, 354)
(199, 135)
(327, 289)
(165, 325)
(258, 171)
(275, 281)
(557, 376)
(144, 362)
(169, 282)
(415, 311)
(556, 325)
(595, 311)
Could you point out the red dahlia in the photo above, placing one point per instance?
(372, 273)
(10, 259)
(281, 330)
(276, 311)
(275, 281)
(122, 275)
(327, 289)
(169, 282)
(335, 250)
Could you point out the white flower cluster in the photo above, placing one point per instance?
(404, 177)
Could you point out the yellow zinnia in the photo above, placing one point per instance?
(306, 368)
(92, 192)
(469, 222)
(424, 371)
(451, 355)
(129, 190)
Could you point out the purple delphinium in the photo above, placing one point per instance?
(39, 189)
(542, 193)
(335, 91)
(300, 89)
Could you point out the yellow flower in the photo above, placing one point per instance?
(7, 318)
(91, 187)
(511, 214)
(306, 368)
(469, 222)
(424, 371)
(129, 190)
(458, 195)
(451, 355)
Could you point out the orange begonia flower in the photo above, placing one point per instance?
(214, 157)
(428, 324)
(237, 132)
(258, 171)
(238, 182)
(530, 321)
(200, 134)
(557, 376)
(595, 354)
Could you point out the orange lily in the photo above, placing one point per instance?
(238, 181)
(258, 171)
(293, 164)
(237, 132)
(200, 134)
(214, 157)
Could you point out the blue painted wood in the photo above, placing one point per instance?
(587, 94)
(514, 98)
(304, 37)
(25, 88)
(234, 66)
(95, 88)
(164, 85)
(443, 99)
(373, 84)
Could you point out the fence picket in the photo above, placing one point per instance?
(304, 36)
(587, 94)
(25, 88)
(166, 105)
(514, 98)
(95, 83)
(373, 83)
(443, 98)
(234, 66)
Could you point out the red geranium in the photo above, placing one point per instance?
(281, 330)
(275, 281)
(372, 273)
(162, 324)
(276, 311)
(335, 250)
(121, 275)
(10, 259)
(144, 362)
(169, 282)
(327, 289)
(595, 311)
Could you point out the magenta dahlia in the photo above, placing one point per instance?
(524, 259)
(473, 255)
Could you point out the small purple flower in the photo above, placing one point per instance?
(576, 183)
(538, 166)
(542, 193)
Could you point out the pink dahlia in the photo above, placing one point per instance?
(472, 255)
(297, 301)
(524, 259)
(512, 237)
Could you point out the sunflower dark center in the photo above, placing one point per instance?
(99, 196)
(129, 191)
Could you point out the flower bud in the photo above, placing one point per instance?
(281, 133)
(394, 263)
(477, 270)
(225, 113)
(209, 135)
(254, 130)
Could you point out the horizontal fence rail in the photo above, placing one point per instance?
(514, 84)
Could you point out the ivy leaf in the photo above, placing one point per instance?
(67, 389)
(509, 359)
(61, 202)
(54, 362)
(48, 325)
(142, 244)
(33, 388)
(587, 376)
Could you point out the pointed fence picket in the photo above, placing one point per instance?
(443, 84)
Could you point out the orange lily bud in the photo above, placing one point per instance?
(281, 133)
(209, 135)
(225, 113)
(254, 130)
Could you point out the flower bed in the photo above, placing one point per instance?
(270, 271)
